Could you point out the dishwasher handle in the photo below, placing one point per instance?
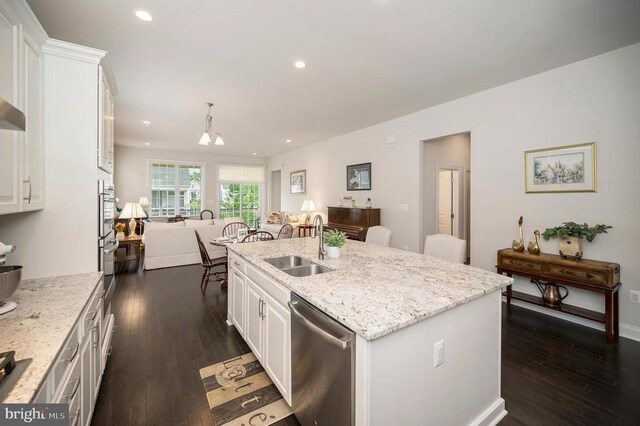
(341, 342)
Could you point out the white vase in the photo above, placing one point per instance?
(120, 235)
(333, 252)
(571, 247)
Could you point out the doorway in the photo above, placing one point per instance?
(275, 188)
(446, 187)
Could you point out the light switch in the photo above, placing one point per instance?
(438, 353)
(392, 140)
(403, 207)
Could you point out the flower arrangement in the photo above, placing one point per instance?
(334, 238)
(119, 227)
(572, 229)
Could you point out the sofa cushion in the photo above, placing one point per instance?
(274, 218)
(198, 223)
(164, 225)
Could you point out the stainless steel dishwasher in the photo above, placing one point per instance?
(323, 367)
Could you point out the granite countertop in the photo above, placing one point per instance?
(375, 290)
(47, 310)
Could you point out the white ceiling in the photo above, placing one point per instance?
(367, 61)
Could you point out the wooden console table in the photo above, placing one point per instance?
(590, 275)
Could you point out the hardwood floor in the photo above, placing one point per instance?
(553, 372)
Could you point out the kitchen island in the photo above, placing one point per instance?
(400, 305)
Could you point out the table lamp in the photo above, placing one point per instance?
(132, 211)
(308, 207)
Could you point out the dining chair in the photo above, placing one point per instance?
(231, 229)
(208, 264)
(447, 247)
(286, 232)
(206, 212)
(380, 235)
(257, 236)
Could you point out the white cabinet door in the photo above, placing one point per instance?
(96, 353)
(105, 125)
(32, 175)
(239, 289)
(86, 380)
(277, 348)
(254, 325)
(9, 139)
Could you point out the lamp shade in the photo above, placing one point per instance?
(144, 202)
(219, 140)
(132, 211)
(205, 139)
(308, 206)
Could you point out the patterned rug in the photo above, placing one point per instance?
(240, 393)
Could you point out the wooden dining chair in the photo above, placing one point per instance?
(286, 232)
(208, 264)
(257, 236)
(231, 230)
(206, 212)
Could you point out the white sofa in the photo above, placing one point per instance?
(175, 244)
(274, 228)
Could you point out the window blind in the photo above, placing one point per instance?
(233, 173)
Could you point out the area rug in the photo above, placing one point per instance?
(240, 393)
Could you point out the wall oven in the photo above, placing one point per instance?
(107, 243)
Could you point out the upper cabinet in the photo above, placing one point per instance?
(106, 134)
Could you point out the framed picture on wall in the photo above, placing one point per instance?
(298, 182)
(570, 168)
(359, 177)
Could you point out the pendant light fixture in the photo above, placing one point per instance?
(205, 139)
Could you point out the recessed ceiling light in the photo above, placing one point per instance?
(300, 64)
(144, 15)
(146, 122)
(288, 141)
(254, 153)
(147, 143)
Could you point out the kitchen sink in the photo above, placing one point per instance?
(297, 266)
(284, 262)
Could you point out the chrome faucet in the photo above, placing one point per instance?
(314, 231)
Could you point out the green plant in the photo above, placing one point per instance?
(334, 238)
(572, 229)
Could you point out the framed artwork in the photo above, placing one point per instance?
(570, 168)
(298, 182)
(359, 177)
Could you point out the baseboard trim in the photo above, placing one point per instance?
(492, 415)
(626, 330)
(229, 323)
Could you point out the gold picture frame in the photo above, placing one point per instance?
(569, 168)
(298, 182)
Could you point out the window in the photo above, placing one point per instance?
(176, 188)
(241, 189)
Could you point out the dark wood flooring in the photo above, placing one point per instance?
(554, 372)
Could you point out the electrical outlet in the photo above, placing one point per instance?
(438, 353)
(403, 207)
(635, 296)
(405, 248)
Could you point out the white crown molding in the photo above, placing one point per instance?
(20, 12)
(68, 50)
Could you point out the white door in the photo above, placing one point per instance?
(448, 202)
(9, 139)
(32, 179)
(277, 351)
(239, 289)
(254, 326)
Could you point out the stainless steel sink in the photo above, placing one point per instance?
(284, 262)
(297, 266)
(305, 271)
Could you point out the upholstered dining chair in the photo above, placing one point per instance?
(286, 232)
(447, 247)
(232, 229)
(257, 236)
(208, 264)
(205, 213)
(380, 235)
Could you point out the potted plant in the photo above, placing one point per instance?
(334, 241)
(571, 234)
(119, 227)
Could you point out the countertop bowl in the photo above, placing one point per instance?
(9, 280)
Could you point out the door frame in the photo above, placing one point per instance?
(269, 186)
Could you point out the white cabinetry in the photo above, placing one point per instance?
(21, 153)
(106, 134)
(257, 307)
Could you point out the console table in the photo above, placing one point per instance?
(591, 275)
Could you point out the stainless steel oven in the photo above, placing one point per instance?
(107, 242)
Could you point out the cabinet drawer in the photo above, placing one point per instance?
(281, 294)
(69, 389)
(582, 275)
(522, 264)
(238, 264)
(68, 355)
(94, 309)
